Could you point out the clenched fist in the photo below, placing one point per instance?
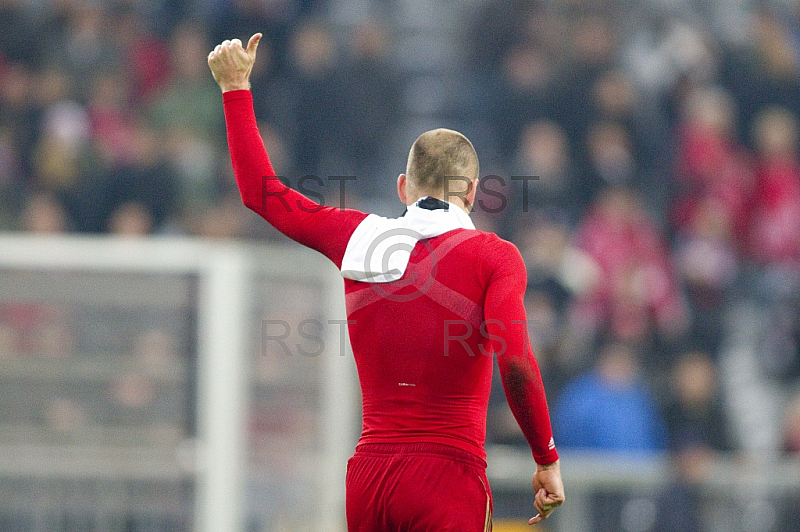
(549, 490)
(231, 64)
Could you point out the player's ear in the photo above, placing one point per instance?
(401, 188)
(472, 188)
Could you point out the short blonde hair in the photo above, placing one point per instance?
(438, 156)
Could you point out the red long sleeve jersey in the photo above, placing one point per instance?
(424, 345)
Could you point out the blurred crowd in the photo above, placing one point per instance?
(661, 139)
(668, 193)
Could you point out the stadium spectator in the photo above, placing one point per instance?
(695, 417)
(774, 217)
(556, 267)
(188, 101)
(44, 214)
(618, 99)
(525, 94)
(63, 153)
(110, 118)
(185, 113)
(711, 161)
(763, 73)
(708, 264)
(637, 295)
(145, 57)
(86, 46)
(774, 241)
(32, 328)
(226, 220)
(17, 107)
(666, 53)
(313, 79)
(544, 156)
(592, 49)
(559, 273)
(369, 95)
(143, 175)
(498, 26)
(611, 162)
(546, 330)
(610, 408)
(130, 219)
(697, 425)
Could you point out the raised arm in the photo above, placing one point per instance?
(325, 229)
(504, 312)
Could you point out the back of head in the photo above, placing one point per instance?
(441, 163)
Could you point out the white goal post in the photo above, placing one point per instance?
(226, 310)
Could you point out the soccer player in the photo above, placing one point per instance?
(430, 301)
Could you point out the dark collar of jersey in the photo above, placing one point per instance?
(430, 204)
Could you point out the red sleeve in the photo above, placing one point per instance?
(504, 312)
(325, 229)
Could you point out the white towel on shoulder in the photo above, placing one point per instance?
(379, 249)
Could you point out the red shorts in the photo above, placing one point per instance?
(418, 487)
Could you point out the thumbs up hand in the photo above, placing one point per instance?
(231, 64)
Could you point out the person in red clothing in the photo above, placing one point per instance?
(430, 301)
(773, 238)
